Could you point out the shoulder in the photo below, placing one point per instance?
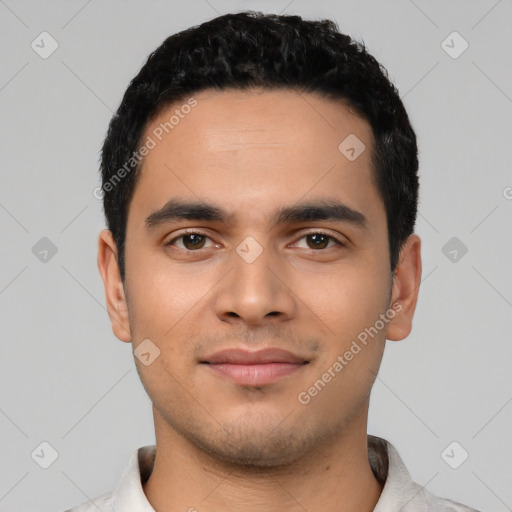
(103, 503)
(129, 490)
(399, 490)
(435, 503)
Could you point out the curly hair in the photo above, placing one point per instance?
(251, 49)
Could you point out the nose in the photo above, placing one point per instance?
(257, 292)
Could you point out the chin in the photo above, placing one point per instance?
(254, 446)
(252, 456)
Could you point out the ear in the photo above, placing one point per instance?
(114, 289)
(405, 289)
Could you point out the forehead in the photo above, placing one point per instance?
(230, 118)
(257, 148)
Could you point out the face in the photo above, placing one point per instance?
(252, 305)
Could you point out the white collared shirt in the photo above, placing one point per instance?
(399, 492)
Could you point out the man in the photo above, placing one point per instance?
(260, 189)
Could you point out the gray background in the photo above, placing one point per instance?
(65, 379)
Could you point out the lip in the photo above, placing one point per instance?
(257, 368)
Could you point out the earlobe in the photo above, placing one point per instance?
(114, 289)
(405, 289)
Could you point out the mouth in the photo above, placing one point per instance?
(258, 368)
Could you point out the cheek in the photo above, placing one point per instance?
(167, 389)
(160, 315)
(346, 310)
(163, 297)
(352, 307)
(345, 299)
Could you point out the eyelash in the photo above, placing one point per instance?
(196, 232)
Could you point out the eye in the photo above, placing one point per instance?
(192, 240)
(196, 240)
(320, 240)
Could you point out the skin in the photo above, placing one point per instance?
(220, 445)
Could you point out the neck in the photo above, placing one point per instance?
(336, 478)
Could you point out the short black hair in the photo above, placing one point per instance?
(248, 50)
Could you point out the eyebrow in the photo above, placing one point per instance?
(326, 209)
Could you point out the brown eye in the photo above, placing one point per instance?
(193, 241)
(189, 241)
(318, 240)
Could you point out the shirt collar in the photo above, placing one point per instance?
(386, 464)
(129, 495)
